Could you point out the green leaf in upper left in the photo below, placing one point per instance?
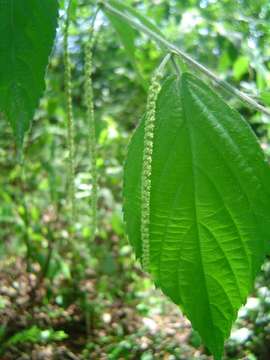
(27, 30)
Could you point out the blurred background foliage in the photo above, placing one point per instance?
(62, 296)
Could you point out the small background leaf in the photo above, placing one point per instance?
(126, 32)
(240, 67)
(127, 35)
(119, 5)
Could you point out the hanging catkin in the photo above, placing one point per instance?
(92, 129)
(70, 125)
(149, 129)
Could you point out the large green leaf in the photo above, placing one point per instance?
(27, 30)
(209, 209)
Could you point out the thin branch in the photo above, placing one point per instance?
(175, 66)
(70, 120)
(92, 143)
(175, 50)
(93, 20)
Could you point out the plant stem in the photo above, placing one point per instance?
(175, 66)
(175, 50)
(51, 242)
(44, 270)
(25, 215)
(70, 123)
(26, 235)
(89, 102)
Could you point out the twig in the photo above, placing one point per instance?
(175, 50)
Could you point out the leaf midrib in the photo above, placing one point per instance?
(193, 178)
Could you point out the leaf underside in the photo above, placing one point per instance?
(27, 30)
(210, 205)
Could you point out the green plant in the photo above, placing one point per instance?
(196, 185)
(35, 334)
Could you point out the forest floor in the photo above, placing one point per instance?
(38, 322)
(146, 326)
